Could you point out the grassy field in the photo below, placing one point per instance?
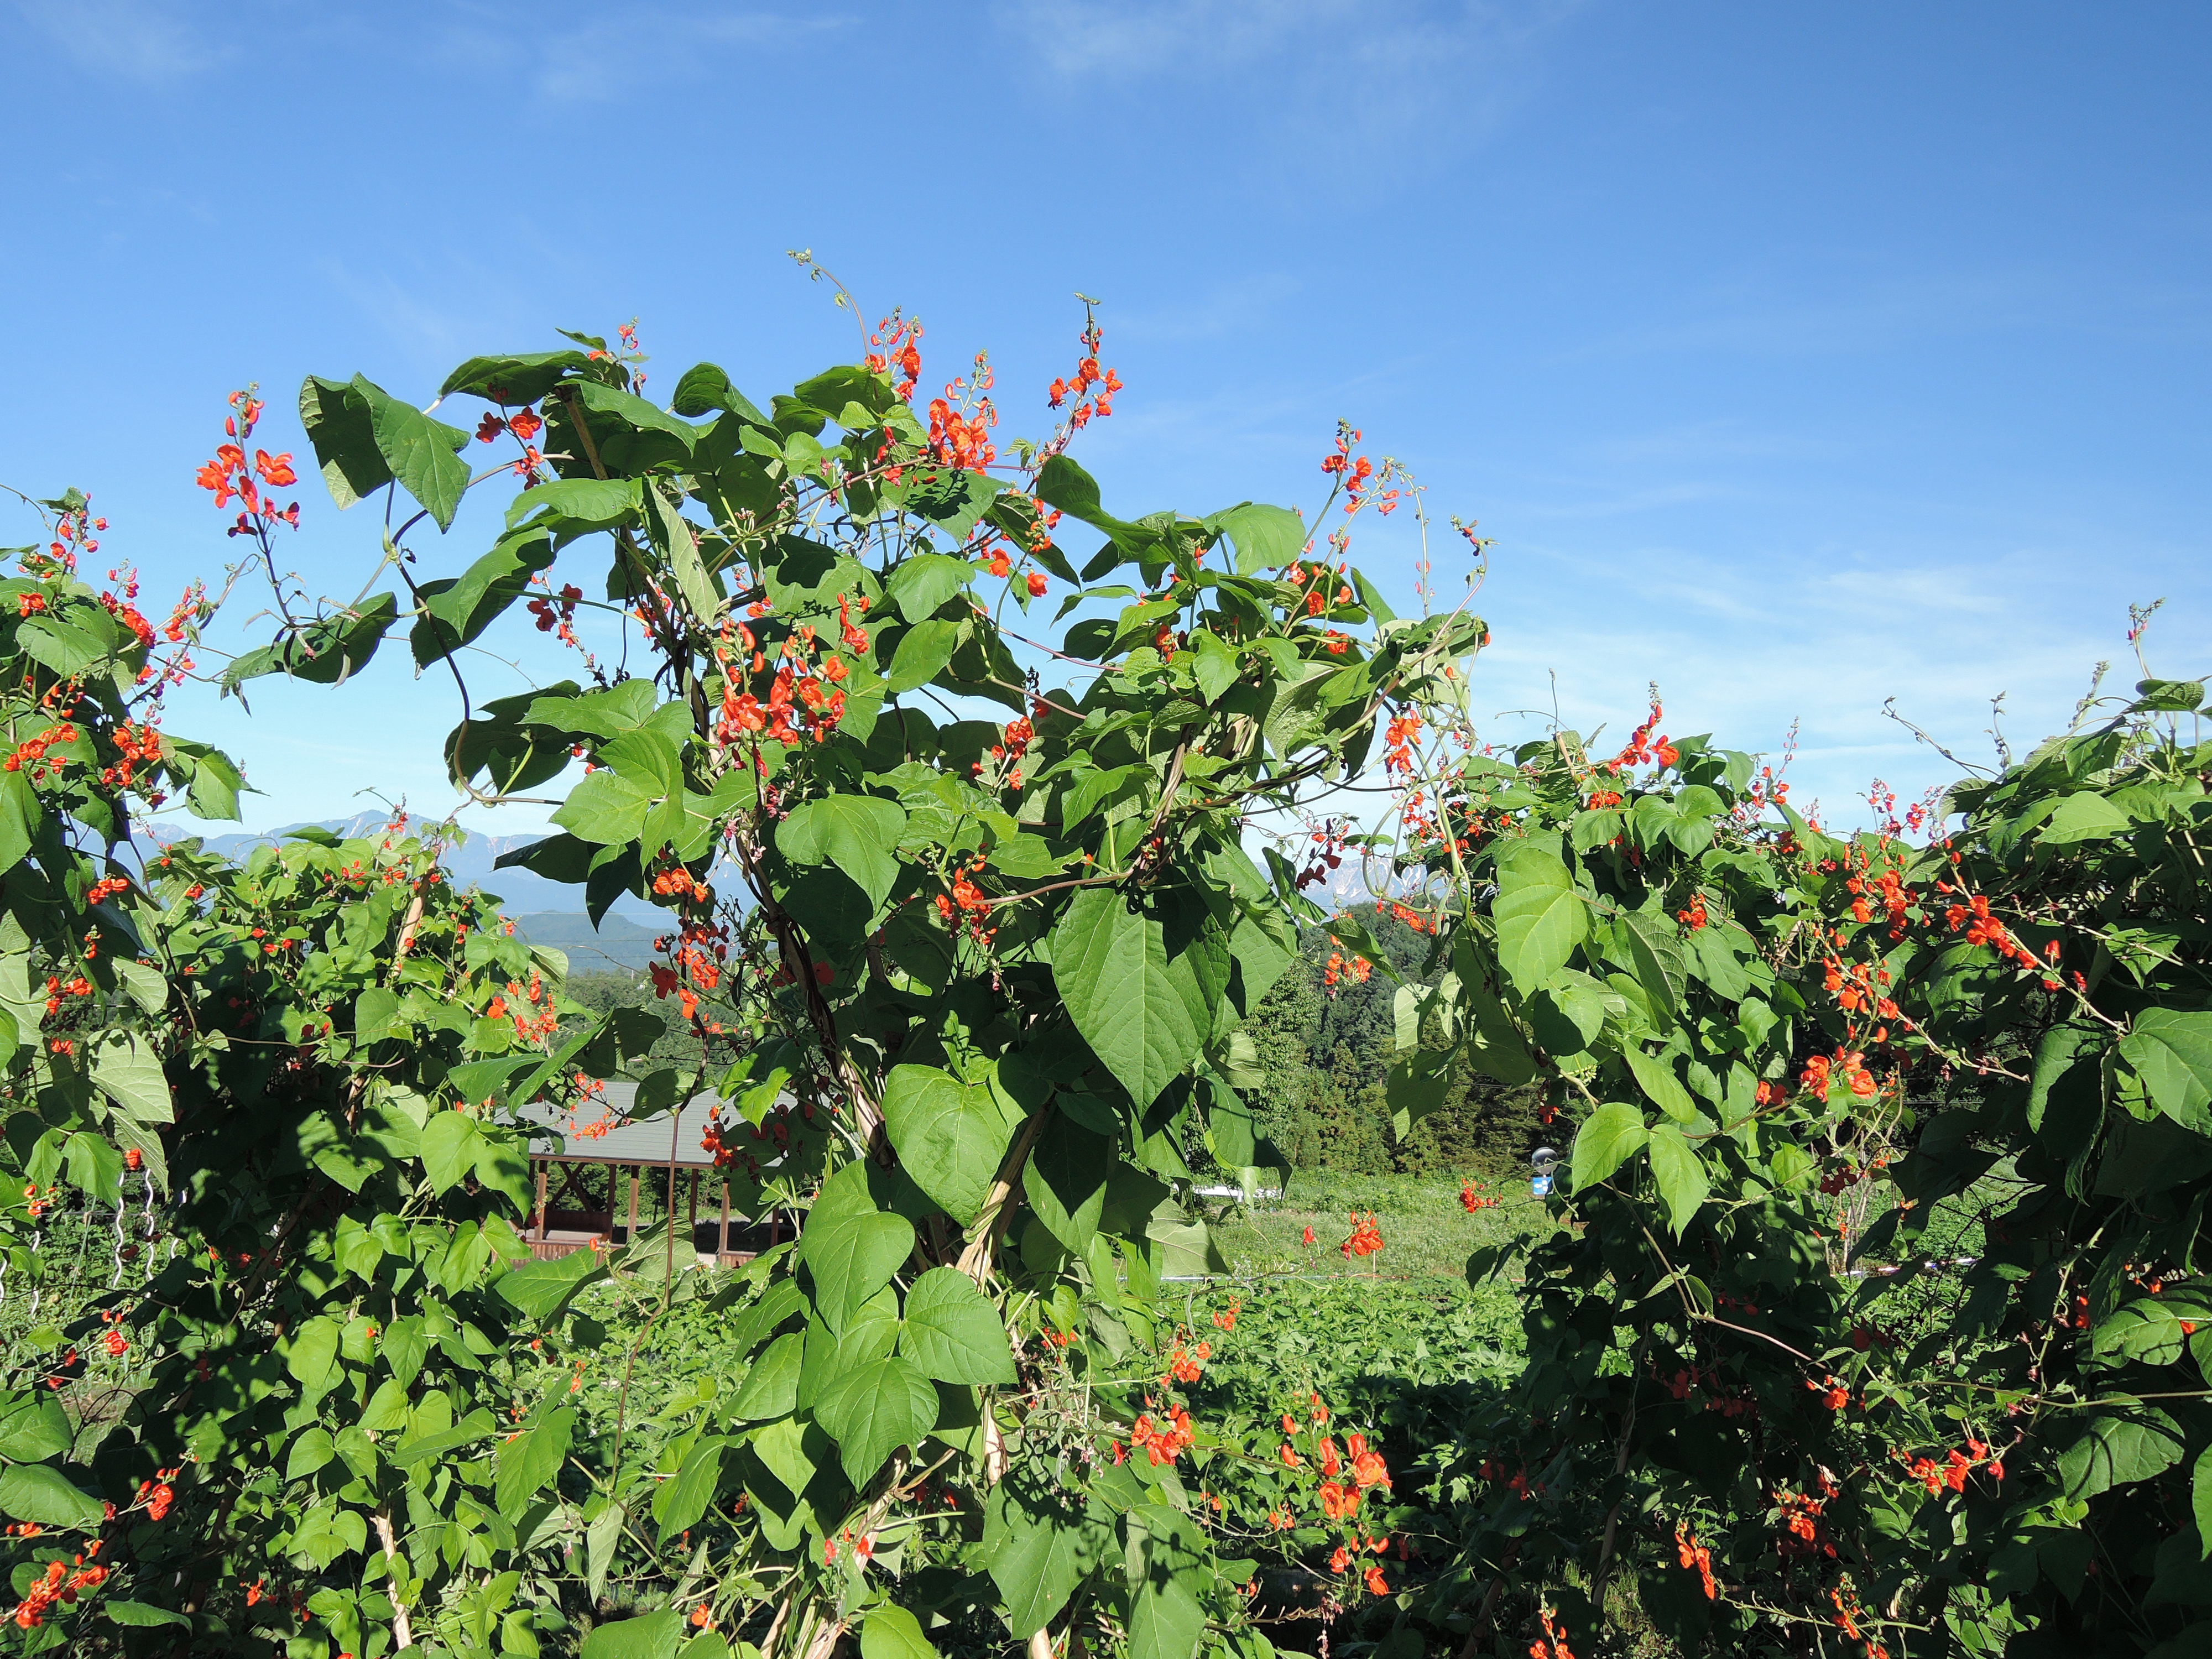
(1426, 1232)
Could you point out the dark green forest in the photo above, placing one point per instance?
(1323, 1052)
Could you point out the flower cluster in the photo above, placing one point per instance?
(967, 901)
(532, 1027)
(1163, 1442)
(1412, 918)
(1341, 1560)
(1888, 891)
(135, 746)
(523, 426)
(1832, 1393)
(962, 441)
(58, 1584)
(1847, 1613)
(229, 475)
(156, 1495)
(1954, 1469)
(32, 752)
(1185, 1366)
(1351, 472)
(1090, 387)
(1803, 1532)
(1329, 844)
(1642, 749)
(1004, 768)
(1337, 967)
(1365, 1464)
(897, 344)
(1694, 1555)
(711, 1142)
(1847, 1068)
(798, 705)
(862, 1548)
(556, 613)
(1553, 1645)
(1318, 599)
(1366, 1238)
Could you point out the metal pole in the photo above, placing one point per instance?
(673, 1124)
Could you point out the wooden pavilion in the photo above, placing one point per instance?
(665, 1150)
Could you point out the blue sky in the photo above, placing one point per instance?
(1796, 357)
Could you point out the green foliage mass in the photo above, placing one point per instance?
(1865, 1315)
(1324, 1052)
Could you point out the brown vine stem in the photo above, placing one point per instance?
(673, 646)
(667, 1294)
(825, 1638)
(1168, 789)
(867, 1113)
(409, 922)
(976, 1260)
(776, 1624)
(798, 962)
(1619, 1467)
(1690, 1314)
(402, 1631)
(1489, 1609)
(1708, 1319)
(1110, 880)
(998, 1206)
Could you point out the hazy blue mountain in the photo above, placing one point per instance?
(618, 942)
(523, 895)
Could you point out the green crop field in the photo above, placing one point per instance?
(1426, 1233)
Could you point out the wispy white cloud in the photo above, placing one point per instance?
(1145, 37)
(1747, 649)
(1122, 37)
(431, 329)
(1822, 306)
(580, 54)
(1700, 442)
(1208, 312)
(1351, 78)
(147, 41)
(1612, 503)
(614, 59)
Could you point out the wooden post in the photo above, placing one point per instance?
(541, 1198)
(636, 1173)
(722, 1245)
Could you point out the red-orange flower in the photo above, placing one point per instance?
(1367, 1466)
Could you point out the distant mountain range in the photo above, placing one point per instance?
(472, 862)
(548, 913)
(551, 913)
(618, 942)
